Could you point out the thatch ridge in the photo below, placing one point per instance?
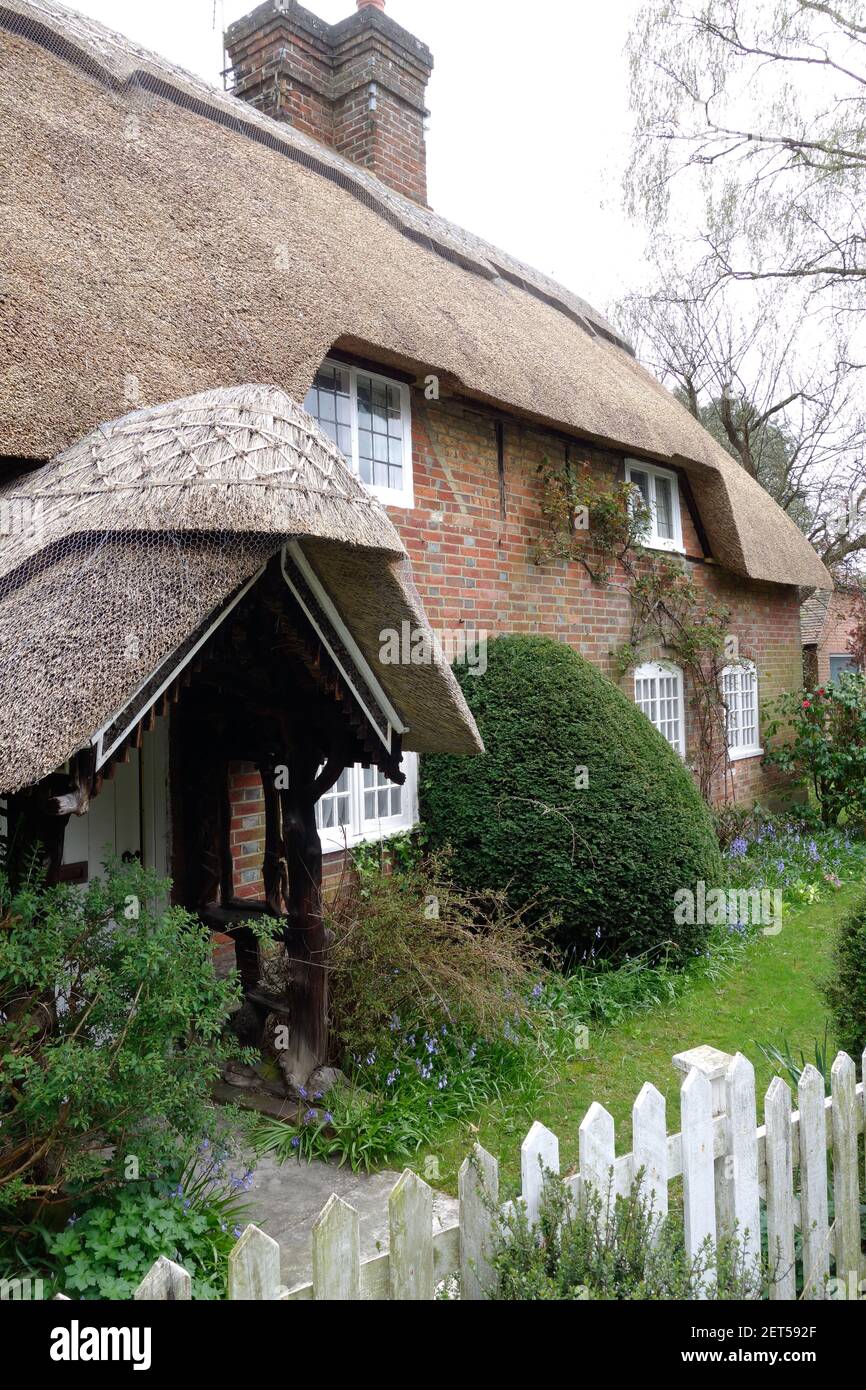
(162, 263)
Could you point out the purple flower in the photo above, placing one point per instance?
(311, 1116)
(328, 1118)
(296, 1143)
(814, 853)
(537, 992)
(237, 1232)
(738, 848)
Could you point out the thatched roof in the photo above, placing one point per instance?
(144, 528)
(171, 237)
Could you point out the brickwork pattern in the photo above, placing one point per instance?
(475, 570)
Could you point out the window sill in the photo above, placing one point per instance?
(333, 843)
(668, 547)
(738, 755)
(405, 500)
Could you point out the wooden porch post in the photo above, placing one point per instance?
(305, 936)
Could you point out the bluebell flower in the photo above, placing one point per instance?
(537, 992)
(296, 1143)
(738, 848)
(311, 1116)
(328, 1118)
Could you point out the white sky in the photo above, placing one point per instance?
(530, 122)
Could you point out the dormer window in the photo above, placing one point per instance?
(660, 493)
(368, 416)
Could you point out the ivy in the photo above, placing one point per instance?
(604, 528)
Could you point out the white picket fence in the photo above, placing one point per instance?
(729, 1165)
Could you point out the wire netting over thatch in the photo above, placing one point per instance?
(171, 235)
(129, 540)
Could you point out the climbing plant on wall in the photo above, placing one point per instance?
(603, 527)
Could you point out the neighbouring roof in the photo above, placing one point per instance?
(813, 614)
(827, 607)
(171, 239)
(141, 530)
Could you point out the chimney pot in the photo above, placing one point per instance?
(371, 4)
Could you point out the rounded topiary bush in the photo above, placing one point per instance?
(607, 856)
(845, 990)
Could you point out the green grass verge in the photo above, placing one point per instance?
(772, 993)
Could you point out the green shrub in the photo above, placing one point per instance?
(106, 1249)
(608, 857)
(411, 951)
(111, 1019)
(845, 990)
(612, 1250)
(434, 1009)
(824, 745)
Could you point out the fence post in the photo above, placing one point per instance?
(814, 1213)
(254, 1267)
(650, 1146)
(846, 1188)
(164, 1281)
(410, 1219)
(478, 1189)
(697, 1140)
(713, 1064)
(539, 1152)
(741, 1158)
(337, 1252)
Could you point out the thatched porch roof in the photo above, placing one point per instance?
(169, 235)
(144, 528)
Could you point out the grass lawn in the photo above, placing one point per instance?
(771, 994)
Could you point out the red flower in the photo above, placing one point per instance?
(807, 704)
(821, 691)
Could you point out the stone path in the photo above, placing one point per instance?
(286, 1199)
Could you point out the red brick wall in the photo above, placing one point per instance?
(475, 569)
(841, 619)
(247, 830)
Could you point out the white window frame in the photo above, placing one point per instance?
(652, 670)
(361, 831)
(393, 497)
(654, 541)
(738, 669)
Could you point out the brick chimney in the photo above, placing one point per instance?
(357, 86)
